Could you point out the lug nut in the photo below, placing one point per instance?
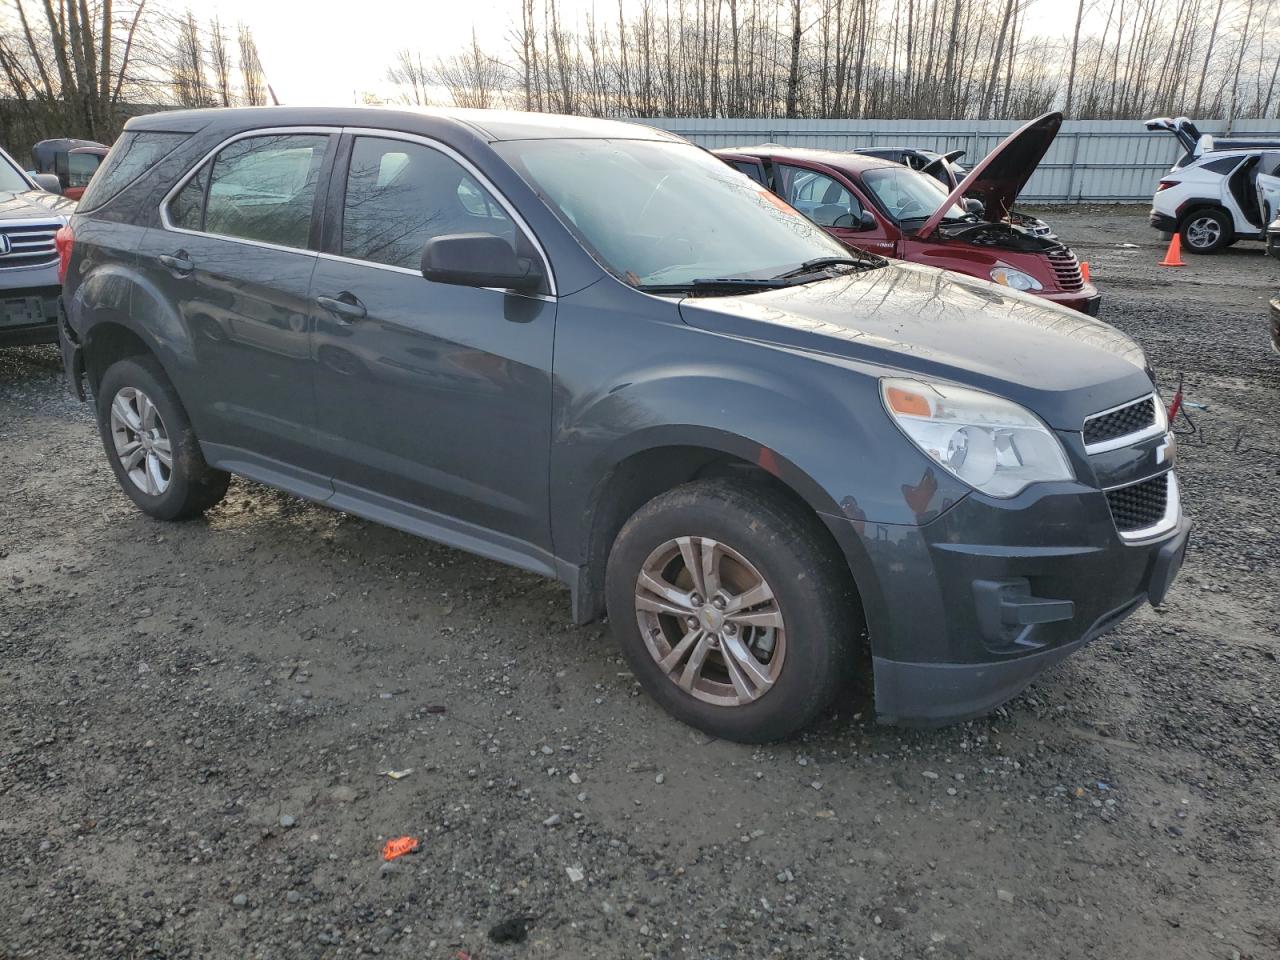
(695, 599)
(718, 603)
(692, 622)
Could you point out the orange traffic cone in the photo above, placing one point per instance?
(1173, 256)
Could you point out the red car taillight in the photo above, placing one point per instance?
(1165, 185)
(64, 240)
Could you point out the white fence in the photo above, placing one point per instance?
(1091, 161)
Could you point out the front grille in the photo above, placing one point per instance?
(1066, 268)
(30, 245)
(1139, 505)
(1133, 418)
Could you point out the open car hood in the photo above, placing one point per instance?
(1000, 176)
(946, 164)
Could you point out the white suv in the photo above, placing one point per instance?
(1210, 195)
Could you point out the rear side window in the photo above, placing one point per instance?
(1222, 165)
(258, 188)
(400, 195)
(750, 168)
(132, 156)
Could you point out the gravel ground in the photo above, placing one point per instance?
(199, 721)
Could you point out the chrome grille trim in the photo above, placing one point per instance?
(31, 243)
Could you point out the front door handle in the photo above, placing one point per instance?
(179, 264)
(345, 306)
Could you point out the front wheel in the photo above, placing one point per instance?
(1205, 231)
(733, 609)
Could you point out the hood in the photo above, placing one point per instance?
(945, 168)
(906, 317)
(1002, 174)
(33, 205)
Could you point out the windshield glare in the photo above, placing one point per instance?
(11, 179)
(908, 194)
(657, 213)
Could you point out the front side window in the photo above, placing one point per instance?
(657, 213)
(402, 194)
(259, 188)
(822, 198)
(908, 194)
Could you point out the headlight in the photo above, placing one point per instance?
(1009, 277)
(988, 442)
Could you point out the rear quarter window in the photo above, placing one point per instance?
(131, 156)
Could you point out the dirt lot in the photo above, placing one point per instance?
(198, 720)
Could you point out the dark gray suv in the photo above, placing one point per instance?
(592, 350)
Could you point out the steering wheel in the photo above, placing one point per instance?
(911, 202)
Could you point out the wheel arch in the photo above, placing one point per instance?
(654, 461)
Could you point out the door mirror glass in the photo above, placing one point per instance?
(478, 260)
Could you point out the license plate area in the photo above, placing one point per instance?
(22, 312)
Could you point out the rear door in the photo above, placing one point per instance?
(232, 265)
(837, 206)
(433, 400)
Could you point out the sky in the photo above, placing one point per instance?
(328, 53)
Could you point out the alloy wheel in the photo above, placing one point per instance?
(141, 441)
(1203, 232)
(710, 621)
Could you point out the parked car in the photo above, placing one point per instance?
(884, 208)
(1210, 194)
(1273, 248)
(73, 162)
(31, 213)
(591, 350)
(945, 168)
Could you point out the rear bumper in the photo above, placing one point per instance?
(965, 611)
(36, 313)
(72, 354)
(1086, 299)
(1163, 222)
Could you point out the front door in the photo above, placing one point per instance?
(232, 267)
(835, 206)
(433, 400)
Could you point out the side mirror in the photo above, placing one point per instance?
(976, 207)
(478, 260)
(868, 221)
(48, 182)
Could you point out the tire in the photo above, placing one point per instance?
(1205, 231)
(801, 640)
(187, 486)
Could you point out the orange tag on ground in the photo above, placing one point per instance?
(399, 847)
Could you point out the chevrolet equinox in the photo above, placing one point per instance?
(590, 349)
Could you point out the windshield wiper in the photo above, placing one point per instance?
(710, 284)
(818, 263)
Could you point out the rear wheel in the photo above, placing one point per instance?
(150, 443)
(733, 609)
(1204, 231)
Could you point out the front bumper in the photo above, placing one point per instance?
(1086, 299)
(965, 611)
(1275, 324)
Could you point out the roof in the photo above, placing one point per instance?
(854, 163)
(491, 125)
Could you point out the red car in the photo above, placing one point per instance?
(889, 209)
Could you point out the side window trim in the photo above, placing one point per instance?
(338, 193)
(311, 248)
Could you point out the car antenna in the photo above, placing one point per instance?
(275, 101)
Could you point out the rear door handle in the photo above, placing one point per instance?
(179, 264)
(345, 306)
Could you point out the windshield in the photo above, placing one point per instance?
(908, 194)
(663, 214)
(11, 178)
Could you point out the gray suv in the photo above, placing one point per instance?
(592, 350)
(30, 217)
